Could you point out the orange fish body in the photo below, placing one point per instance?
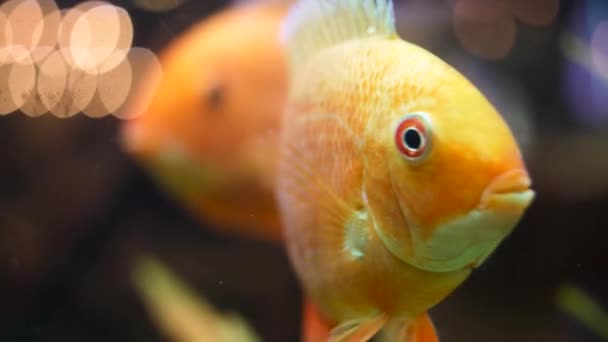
(209, 133)
(396, 177)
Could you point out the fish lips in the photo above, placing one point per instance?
(466, 241)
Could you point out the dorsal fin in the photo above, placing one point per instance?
(313, 25)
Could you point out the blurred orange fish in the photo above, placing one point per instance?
(396, 176)
(209, 134)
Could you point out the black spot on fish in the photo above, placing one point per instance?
(215, 96)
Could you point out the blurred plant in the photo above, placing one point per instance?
(582, 307)
(180, 312)
(584, 44)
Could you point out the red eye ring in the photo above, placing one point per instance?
(411, 137)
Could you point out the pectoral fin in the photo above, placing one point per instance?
(314, 328)
(359, 330)
(420, 329)
(318, 188)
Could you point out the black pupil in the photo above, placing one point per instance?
(412, 139)
(215, 96)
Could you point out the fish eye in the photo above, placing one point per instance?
(215, 96)
(412, 136)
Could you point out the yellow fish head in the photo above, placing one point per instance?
(455, 170)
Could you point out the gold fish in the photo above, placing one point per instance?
(209, 134)
(396, 176)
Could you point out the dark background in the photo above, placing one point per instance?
(74, 210)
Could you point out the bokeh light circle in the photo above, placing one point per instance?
(535, 12)
(6, 34)
(72, 60)
(79, 91)
(22, 82)
(585, 85)
(46, 31)
(147, 74)
(98, 32)
(599, 48)
(68, 19)
(122, 45)
(52, 79)
(23, 16)
(75, 42)
(485, 28)
(96, 108)
(488, 29)
(114, 86)
(7, 104)
(112, 90)
(158, 5)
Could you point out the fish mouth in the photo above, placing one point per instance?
(509, 192)
(466, 241)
